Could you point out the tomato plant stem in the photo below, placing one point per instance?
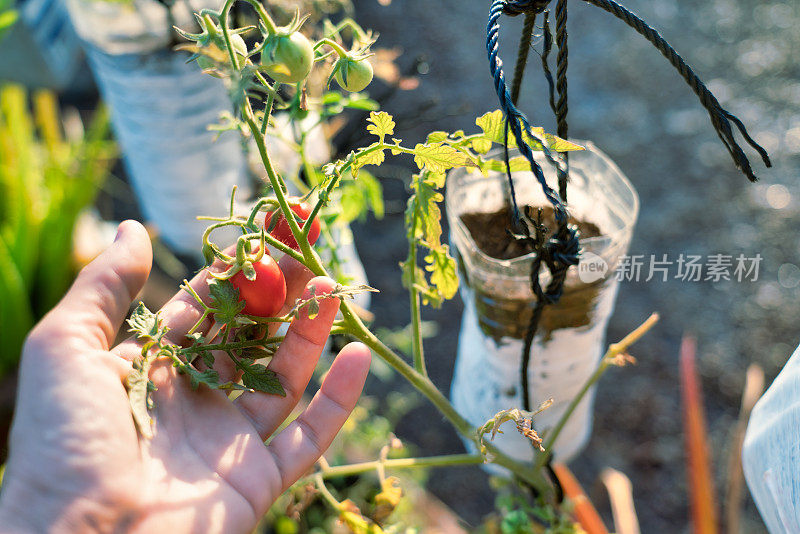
(333, 44)
(417, 349)
(402, 463)
(427, 388)
(610, 358)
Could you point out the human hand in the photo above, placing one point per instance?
(76, 461)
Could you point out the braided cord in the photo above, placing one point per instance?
(720, 118)
(562, 108)
(522, 55)
(562, 249)
(517, 122)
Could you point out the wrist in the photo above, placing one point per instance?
(81, 515)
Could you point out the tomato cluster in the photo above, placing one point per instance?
(265, 295)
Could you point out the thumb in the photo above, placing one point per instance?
(101, 295)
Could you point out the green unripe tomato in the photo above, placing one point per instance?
(353, 74)
(288, 58)
(205, 62)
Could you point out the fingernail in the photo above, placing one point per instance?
(119, 233)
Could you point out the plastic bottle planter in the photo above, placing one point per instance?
(160, 108)
(498, 300)
(769, 452)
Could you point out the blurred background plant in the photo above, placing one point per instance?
(8, 16)
(50, 171)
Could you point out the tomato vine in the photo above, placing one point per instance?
(429, 271)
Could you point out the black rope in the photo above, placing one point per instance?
(547, 45)
(522, 54)
(720, 118)
(561, 85)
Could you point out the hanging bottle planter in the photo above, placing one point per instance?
(495, 272)
(161, 108)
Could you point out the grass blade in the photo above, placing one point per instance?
(584, 511)
(753, 388)
(620, 493)
(703, 502)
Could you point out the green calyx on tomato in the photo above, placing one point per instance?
(264, 290)
(287, 58)
(353, 74)
(278, 227)
(210, 48)
(286, 54)
(205, 60)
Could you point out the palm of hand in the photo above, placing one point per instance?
(206, 468)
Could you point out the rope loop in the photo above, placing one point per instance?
(516, 121)
(513, 8)
(559, 253)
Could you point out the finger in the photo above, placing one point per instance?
(299, 445)
(294, 362)
(179, 314)
(297, 277)
(100, 297)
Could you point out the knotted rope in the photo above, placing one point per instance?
(562, 249)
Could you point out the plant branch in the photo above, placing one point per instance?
(610, 358)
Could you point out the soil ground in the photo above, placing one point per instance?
(627, 99)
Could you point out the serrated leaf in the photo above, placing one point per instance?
(481, 145)
(436, 137)
(225, 300)
(438, 158)
(138, 384)
(516, 164)
(197, 338)
(423, 214)
(353, 519)
(554, 142)
(208, 358)
(364, 104)
(259, 378)
(444, 271)
(146, 324)
(363, 157)
(387, 500)
(255, 353)
(382, 124)
(493, 126)
(209, 377)
(312, 309)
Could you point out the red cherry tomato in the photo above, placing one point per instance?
(264, 296)
(283, 233)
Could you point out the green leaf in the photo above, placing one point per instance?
(146, 324)
(443, 269)
(256, 376)
(556, 143)
(139, 388)
(209, 377)
(364, 104)
(382, 124)
(493, 128)
(518, 163)
(139, 398)
(363, 157)
(436, 137)
(423, 214)
(438, 158)
(225, 300)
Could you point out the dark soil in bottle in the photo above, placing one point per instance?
(499, 316)
(490, 232)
